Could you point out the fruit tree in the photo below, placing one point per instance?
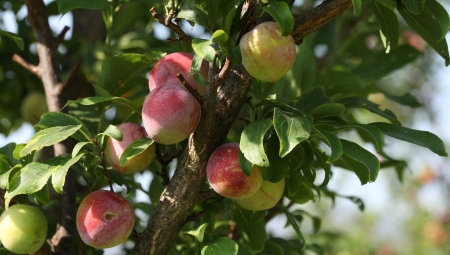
(237, 111)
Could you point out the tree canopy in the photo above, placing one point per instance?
(291, 129)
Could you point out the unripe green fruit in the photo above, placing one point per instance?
(23, 229)
(33, 106)
(266, 54)
(265, 198)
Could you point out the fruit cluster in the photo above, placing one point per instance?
(170, 113)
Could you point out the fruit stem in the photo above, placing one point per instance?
(190, 88)
(103, 163)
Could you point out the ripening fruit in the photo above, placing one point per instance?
(266, 54)
(114, 149)
(226, 176)
(23, 229)
(104, 219)
(165, 71)
(170, 114)
(265, 198)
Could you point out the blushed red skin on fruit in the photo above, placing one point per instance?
(114, 149)
(170, 114)
(165, 71)
(267, 55)
(94, 229)
(226, 176)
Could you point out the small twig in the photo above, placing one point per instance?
(190, 88)
(32, 68)
(209, 194)
(61, 35)
(195, 216)
(164, 164)
(182, 36)
(103, 163)
(275, 211)
(169, 17)
(71, 75)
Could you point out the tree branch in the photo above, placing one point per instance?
(49, 73)
(226, 94)
(182, 36)
(316, 18)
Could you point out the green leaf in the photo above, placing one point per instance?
(203, 48)
(391, 4)
(134, 149)
(323, 159)
(220, 37)
(382, 64)
(198, 232)
(282, 14)
(59, 173)
(65, 6)
(77, 148)
(278, 166)
(356, 7)
(440, 14)
(328, 110)
(43, 195)
(364, 103)
(32, 178)
(49, 136)
(389, 27)
(291, 220)
(220, 246)
(117, 71)
(414, 6)
(100, 99)
(291, 128)
(333, 142)
(430, 25)
(362, 162)
(196, 66)
(54, 119)
(4, 164)
(311, 99)
(15, 37)
(201, 12)
(5, 176)
(246, 165)
(339, 82)
(421, 138)
(251, 227)
(8, 152)
(114, 132)
(251, 143)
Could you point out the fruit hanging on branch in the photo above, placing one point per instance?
(170, 114)
(114, 149)
(266, 54)
(226, 176)
(166, 69)
(104, 219)
(23, 229)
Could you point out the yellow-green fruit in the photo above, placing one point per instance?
(23, 229)
(265, 198)
(266, 54)
(33, 106)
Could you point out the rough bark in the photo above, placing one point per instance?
(221, 107)
(316, 18)
(49, 72)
